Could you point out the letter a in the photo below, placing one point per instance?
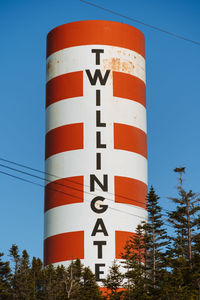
(99, 227)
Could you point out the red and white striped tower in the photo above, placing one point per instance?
(96, 153)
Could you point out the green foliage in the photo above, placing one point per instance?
(5, 275)
(135, 264)
(113, 281)
(154, 265)
(89, 289)
(30, 281)
(37, 278)
(184, 252)
(157, 240)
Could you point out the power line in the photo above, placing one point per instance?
(40, 185)
(23, 179)
(67, 194)
(49, 188)
(35, 183)
(57, 183)
(64, 179)
(44, 179)
(142, 23)
(62, 192)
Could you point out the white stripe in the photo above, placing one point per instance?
(79, 216)
(74, 110)
(69, 111)
(79, 58)
(81, 163)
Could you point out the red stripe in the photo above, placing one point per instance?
(95, 33)
(64, 138)
(129, 87)
(64, 246)
(130, 191)
(130, 138)
(64, 86)
(64, 191)
(121, 237)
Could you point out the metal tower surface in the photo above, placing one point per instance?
(96, 153)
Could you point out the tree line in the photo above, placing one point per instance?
(156, 263)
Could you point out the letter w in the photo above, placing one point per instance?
(97, 74)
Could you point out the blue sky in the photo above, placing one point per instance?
(173, 102)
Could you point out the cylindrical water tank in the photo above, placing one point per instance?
(96, 152)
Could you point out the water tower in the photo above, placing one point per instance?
(96, 152)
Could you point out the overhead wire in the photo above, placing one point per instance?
(141, 22)
(60, 184)
(64, 179)
(35, 183)
(67, 194)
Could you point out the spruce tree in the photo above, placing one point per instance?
(49, 282)
(157, 240)
(185, 220)
(135, 256)
(24, 278)
(196, 262)
(15, 284)
(37, 278)
(144, 255)
(89, 290)
(5, 276)
(113, 282)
